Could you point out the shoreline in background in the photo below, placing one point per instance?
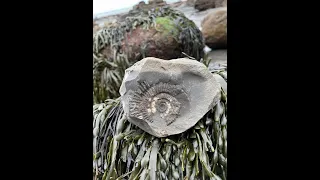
(111, 13)
(124, 10)
(217, 56)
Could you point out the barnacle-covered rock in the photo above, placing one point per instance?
(168, 97)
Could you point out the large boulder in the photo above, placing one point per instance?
(165, 34)
(220, 3)
(162, 32)
(204, 4)
(165, 98)
(160, 41)
(207, 4)
(214, 28)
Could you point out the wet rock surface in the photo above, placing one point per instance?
(220, 3)
(169, 34)
(168, 97)
(214, 28)
(163, 33)
(204, 4)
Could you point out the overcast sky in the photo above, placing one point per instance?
(100, 6)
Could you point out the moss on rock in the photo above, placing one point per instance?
(167, 26)
(161, 32)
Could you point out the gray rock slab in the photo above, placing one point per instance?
(167, 97)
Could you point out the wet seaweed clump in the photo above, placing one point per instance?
(122, 150)
(159, 32)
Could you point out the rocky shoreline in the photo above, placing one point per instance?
(155, 89)
(218, 55)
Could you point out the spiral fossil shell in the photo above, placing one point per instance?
(150, 102)
(167, 97)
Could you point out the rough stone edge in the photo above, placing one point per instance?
(141, 63)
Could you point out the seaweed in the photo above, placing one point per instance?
(108, 71)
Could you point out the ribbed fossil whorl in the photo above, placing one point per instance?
(168, 97)
(157, 101)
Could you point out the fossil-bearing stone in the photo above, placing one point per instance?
(167, 97)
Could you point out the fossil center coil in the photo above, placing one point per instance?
(157, 101)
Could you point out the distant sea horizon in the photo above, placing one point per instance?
(122, 10)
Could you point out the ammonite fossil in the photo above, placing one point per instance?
(151, 102)
(168, 97)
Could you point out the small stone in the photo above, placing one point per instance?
(167, 97)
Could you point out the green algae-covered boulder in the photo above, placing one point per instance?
(160, 41)
(161, 32)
